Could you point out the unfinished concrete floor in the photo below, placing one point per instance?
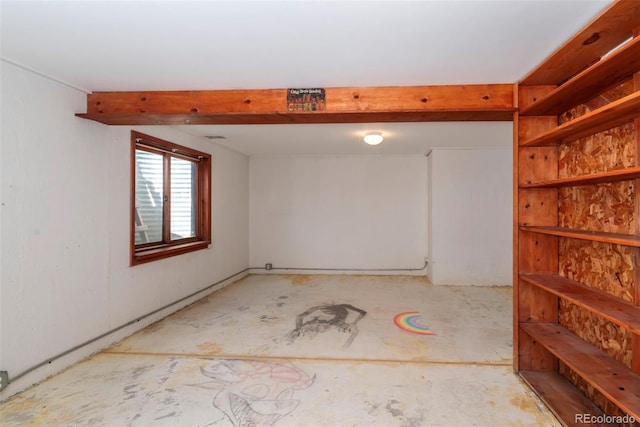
(303, 351)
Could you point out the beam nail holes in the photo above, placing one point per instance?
(143, 98)
(356, 95)
(247, 101)
(424, 100)
(486, 97)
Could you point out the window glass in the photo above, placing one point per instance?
(183, 198)
(149, 196)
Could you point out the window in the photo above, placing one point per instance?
(171, 206)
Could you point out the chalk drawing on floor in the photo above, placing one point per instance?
(254, 393)
(322, 318)
(412, 321)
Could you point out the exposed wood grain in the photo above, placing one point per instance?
(597, 236)
(635, 363)
(601, 152)
(607, 336)
(607, 117)
(603, 266)
(538, 207)
(595, 178)
(538, 164)
(529, 95)
(616, 68)
(538, 305)
(600, 400)
(534, 252)
(616, 310)
(534, 356)
(616, 381)
(266, 106)
(606, 31)
(605, 207)
(515, 233)
(564, 400)
(531, 127)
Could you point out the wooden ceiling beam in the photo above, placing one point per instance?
(487, 102)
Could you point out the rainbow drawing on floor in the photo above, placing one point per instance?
(411, 322)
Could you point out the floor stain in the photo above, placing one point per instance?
(373, 405)
(298, 279)
(521, 403)
(210, 347)
(393, 411)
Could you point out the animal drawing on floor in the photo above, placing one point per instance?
(322, 318)
(253, 393)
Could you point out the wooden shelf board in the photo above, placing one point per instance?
(604, 74)
(613, 379)
(612, 26)
(596, 178)
(615, 310)
(607, 117)
(561, 397)
(597, 236)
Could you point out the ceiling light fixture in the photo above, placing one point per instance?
(373, 138)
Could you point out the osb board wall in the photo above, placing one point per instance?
(608, 337)
(604, 266)
(606, 208)
(612, 149)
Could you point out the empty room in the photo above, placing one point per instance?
(320, 213)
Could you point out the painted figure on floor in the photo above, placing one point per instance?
(253, 393)
(322, 318)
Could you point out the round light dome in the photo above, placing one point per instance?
(373, 138)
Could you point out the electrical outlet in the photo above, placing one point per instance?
(268, 266)
(4, 380)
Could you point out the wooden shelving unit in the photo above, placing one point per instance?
(615, 175)
(610, 377)
(577, 221)
(612, 70)
(607, 117)
(613, 309)
(596, 236)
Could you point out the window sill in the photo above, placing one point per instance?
(143, 255)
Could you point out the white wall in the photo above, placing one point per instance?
(64, 235)
(363, 212)
(470, 216)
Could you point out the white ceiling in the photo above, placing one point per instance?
(174, 45)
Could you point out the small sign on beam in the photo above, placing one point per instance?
(306, 100)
